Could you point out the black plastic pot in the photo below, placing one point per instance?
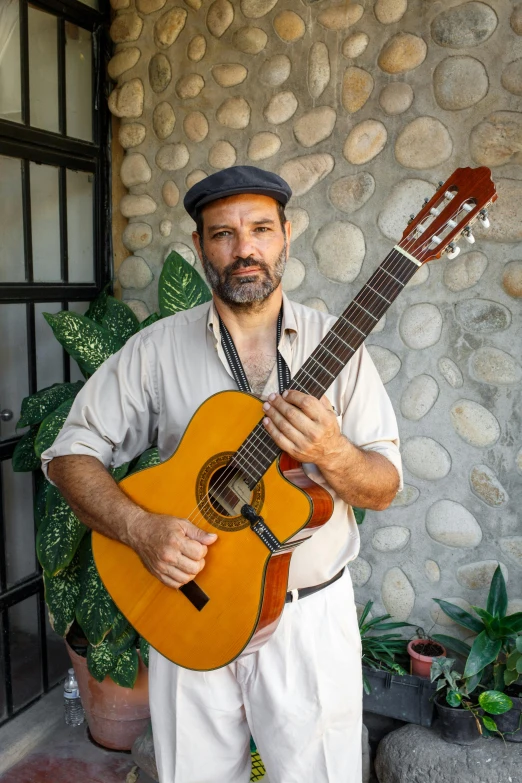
(457, 725)
(404, 697)
(510, 723)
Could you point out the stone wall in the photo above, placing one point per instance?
(362, 108)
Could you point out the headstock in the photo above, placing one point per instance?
(458, 202)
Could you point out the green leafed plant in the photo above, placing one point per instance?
(383, 651)
(73, 589)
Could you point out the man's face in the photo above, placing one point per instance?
(244, 248)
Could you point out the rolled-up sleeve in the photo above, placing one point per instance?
(115, 415)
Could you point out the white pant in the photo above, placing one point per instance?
(300, 696)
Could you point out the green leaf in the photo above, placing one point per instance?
(518, 643)
(519, 666)
(495, 702)
(24, 457)
(95, 610)
(460, 616)
(512, 659)
(121, 640)
(180, 286)
(86, 341)
(453, 644)
(364, 614)
(511, 624)
(151, 319)
(59, 535)
(98, 306)
(489, 723)
(125, 671)
(483, 652)
(485, 616)
(51, 426)
(144, 651)
(359, 514)
(36, 407)
(453, 698)
(148, 459)
(472, 683)
(61, 595)
(510, 677)
(119, 319)
(100, 660)
(366, 685)
(497, 596)
(120, 472)
(40, 499)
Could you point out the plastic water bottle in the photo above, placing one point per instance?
(74, 714)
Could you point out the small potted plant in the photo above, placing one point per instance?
(423, 650)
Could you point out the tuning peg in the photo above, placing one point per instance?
(483, 215)
(440, 183)
(426, 200)
(468, 235)
(452, 251)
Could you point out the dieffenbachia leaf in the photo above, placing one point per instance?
(151, 319)
(180, 286)
(59, 535)
(24, 457)
(121, 636)
(100, 660)
(36, 407)
(119, 319)
(61, 595)
(40, 499)
(51, 426)
(144, 651)
(359, 514)
(86, 341)
(148, 459)
(125, 672)
(120, 472)
(98, 306)
(95, 610)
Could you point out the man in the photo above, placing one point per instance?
(300, 695)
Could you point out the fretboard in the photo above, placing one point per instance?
(333, 353)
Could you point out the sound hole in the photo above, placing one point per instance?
(228, 492)
(222, 492)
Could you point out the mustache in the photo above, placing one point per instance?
(244, 263)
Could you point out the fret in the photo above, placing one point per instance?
(312, 359)
(343, 317)
(390, 274)
(378, 294)
(343, 341)
(365, 310)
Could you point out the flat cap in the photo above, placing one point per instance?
(233, 181)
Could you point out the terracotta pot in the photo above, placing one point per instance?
(116, 716)
(421, 664)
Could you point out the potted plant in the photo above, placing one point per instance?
(423, 650)
(105, 649)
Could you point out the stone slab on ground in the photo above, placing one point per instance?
(415, 754)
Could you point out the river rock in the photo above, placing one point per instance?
(250, 40)
(421, 325)
(197, 48)
(132, 134)
(229, 74)
(294, 274)
(195, 126)
(506, 217)
(474, 423)
(289, 26)
(423, 144)
(391, 538)
(512, 279)
(135, 170)
(449, 523)
(139, 308)
(255, 9)
(493, 366)
(222, 155)
(512, 77)
(165, 228)
(194, 177)
(170, 193)
(515, 19)
(219, 17)
(119, 5)
(402, 53)
(421, 275)
(126, 27)
(497, 139)
(149, 6)
(136, 236)
(299, 219)
(469, 24)
(406, 497)
(450, 372)
(137, 206)
(319, 71)
(303, 172)
(275, 70)
(459, 82)
(364, 142)
(184, 251)
(339, 17)
(340, 249)
(379, 326)
(512, 547)
(169, 26)
(396, 98)
(123, 61)
(439, 617)
(419, 397)
(482, 316)
(160, 72)
(263, 145)
(357, 88)
(475, 576)
(172, 157)
(281, 107)
(349, 194)
(432, 571)
(486, 486)
(127, 100)
(465, 271)
(186, 225)
(397, 594)
(194, 4)
(316, 304)
(190, 85)
(360, 571)
(426, 459)
(387, 363)
(390, 11)
(518, 461)
(134, 273)
(234, 113)
(405, 198)
(355, 45)
(315, 126)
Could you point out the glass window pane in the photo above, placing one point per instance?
(49, 352)
(78, 85)
(91, 3)
(3, 676)
(57, 659)
(12, 265)
(10, 89)
(18, 523)
(80, 226)
(13, 363)
(25, 651)
(43, 69)
(45, 217)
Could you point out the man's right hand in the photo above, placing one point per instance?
(172, 549)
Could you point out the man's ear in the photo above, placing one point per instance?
(196, 239)
(288, 231)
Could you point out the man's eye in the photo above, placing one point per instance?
(262, 228)
(221, 234)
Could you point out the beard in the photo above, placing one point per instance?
(246, 291)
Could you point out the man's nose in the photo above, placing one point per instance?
(243, 245)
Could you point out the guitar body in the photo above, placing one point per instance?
(244, 584)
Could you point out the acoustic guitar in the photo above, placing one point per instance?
(228, 476)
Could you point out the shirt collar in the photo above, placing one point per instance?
(288, 331)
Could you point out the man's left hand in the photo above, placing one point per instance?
(302, 426)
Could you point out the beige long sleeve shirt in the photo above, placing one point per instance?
(148, 392)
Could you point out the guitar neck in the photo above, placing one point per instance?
(333, 353)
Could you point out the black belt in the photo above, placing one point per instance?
(295, 595)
